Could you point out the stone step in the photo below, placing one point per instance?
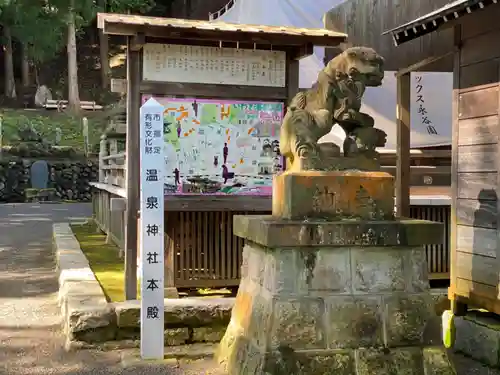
(477, 335)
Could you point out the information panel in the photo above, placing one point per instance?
(213, 65)
(220, 144)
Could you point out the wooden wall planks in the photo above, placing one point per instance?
(366, 20)
(481, 48)
(475, 250)
(477, 268)
(471, 185)
(478, 74)
(478, 130)
(481, 22)
(477, 213)
(483, 102)
(478, 158)
(475, 240)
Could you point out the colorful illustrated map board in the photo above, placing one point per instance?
(207, 137)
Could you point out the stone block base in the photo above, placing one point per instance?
(320, 307)
(239, 356)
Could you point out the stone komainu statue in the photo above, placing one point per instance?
(334, 98)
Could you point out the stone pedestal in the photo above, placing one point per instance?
(341, 296)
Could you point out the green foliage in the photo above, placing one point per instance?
(122, 6)
(40, 30)
(46, 123)
(41, 25)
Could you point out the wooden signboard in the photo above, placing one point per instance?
(213, 65)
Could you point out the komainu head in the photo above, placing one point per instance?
(359, 63)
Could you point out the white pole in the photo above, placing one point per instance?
(151, 236)
(1, 135)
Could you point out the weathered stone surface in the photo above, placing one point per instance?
(237, 354)
(86, 314)
(299, 272)
(128, 334)
(378, 269)
(353, 322)
(256, 263)
(183, 312)
(407, 317)
(208, 334)
(404, 361)
(176, 336)
(281, 271)
(441, 301)
(273, 233)
(348, 297)
(260, 320)
(299, 323)
(325, 270)
(418, 278)
(94, 322)
(363, 195)
(285, 361)
(478, 336)
(436, 362)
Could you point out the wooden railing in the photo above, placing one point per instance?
(110, 221)
(113, 169)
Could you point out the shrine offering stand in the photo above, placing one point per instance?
(333, 283)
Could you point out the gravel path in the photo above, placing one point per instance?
(30, 339)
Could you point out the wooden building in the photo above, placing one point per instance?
(475, 186)
(365, 21)
(200, 248)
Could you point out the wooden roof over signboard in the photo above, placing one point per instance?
(172, 28)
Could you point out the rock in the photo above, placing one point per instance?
(208, 334)
(184, 312)
(478, 336)
(176, 336)
(90, 323)
(64, 182)
(42, 94)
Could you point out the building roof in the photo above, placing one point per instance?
(172, 28)
(435, 20)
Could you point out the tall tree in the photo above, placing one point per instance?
(38, 29)
(10, 82)
(73, 91)
(117, 6)
(104, 52)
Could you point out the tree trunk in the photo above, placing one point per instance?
(73, 93)
(25, 67)
(104, 50)
(10, 82)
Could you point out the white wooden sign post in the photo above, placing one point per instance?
(152, 229)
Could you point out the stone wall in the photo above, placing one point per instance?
(70, 179)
